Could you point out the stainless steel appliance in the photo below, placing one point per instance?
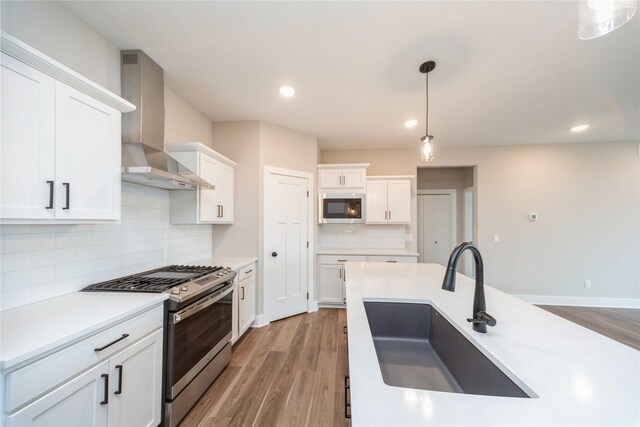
(197, 328)
(346, 208)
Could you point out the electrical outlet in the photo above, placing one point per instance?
(496, 238)
(587, 284)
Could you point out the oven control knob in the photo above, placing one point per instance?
(184, 288)
(221, 274)
(175, 291)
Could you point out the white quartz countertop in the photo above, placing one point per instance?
(580, 378)
(367, 251)
(42, 327)
(235, 262)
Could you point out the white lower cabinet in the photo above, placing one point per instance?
(332, 277)
(112, 378)
(244, 301)
(75, 403)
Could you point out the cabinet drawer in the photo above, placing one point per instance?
(33, 380)
(247, 272)
(341, 259)
(392, 259)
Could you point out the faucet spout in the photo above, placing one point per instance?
(480, 317)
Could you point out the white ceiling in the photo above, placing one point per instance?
(507, 72)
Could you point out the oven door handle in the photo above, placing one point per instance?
(190, 311)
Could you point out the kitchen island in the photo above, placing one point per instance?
(574, 376)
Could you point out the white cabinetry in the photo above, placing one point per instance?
(112, 378)
(350, 178)
(60, 143)
(244, 301)
(203, 206)
(332, 278)
(389, 200)
(331, 289)
(246, 298)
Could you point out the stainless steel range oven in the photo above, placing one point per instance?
(197, 328)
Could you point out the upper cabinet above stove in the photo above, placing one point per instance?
(60, 142)
(203, 206)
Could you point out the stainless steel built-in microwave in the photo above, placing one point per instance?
(341, 208)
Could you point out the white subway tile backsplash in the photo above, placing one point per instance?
(38, 262)
(362, 236)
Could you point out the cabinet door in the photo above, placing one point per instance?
(354, 179)
(88, 146)
(330, 179)
(247, 297)
(376, 201)
(399, 201)
(208, 208)
(27, 135)
(224, 190)
(331, 284)
(75, 403)
(135, 375)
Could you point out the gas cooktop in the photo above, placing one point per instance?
(181, 282)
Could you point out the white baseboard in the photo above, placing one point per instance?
(580, 301)
(313, 306)
(261, 320)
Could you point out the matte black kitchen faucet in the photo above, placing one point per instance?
(480, 318)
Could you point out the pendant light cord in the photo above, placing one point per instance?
(427, 105)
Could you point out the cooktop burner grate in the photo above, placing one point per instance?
(152, 281)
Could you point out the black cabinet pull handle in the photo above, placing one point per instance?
(119, 390)
(248, 271)
(106, 389)
(111, 343)
(68, 197)
(50, 195)
(344, 330)
(347, 401)
(222, 214)
(242, 287)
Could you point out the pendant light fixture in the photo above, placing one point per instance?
(599, 17)
(426, 146)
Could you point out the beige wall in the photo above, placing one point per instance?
(587, 197)
(59, 33)
(254, 145)
(183, 122)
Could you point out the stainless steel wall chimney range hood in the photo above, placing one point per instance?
(143, 158)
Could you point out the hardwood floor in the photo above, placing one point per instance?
(289, 373)
(620, 324)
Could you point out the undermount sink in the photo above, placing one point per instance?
(418, 348)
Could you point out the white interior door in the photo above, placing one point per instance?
(286, 236)
(435, 227)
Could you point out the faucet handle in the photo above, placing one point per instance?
(483, 318)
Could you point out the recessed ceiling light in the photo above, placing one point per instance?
(410, 123)
(579, 128)
(287, 91)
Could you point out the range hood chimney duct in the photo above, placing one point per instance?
(143, 158)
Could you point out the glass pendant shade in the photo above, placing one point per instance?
(426, 148)
(599, 17)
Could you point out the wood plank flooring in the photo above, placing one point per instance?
(289, 373)
(620, 324)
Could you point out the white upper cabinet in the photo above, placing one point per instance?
(61, 142)
(203, 206)
(389, 200)
(87, 158)
(347, 178)
(28, 141)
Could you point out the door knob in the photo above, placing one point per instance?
(274, 254)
